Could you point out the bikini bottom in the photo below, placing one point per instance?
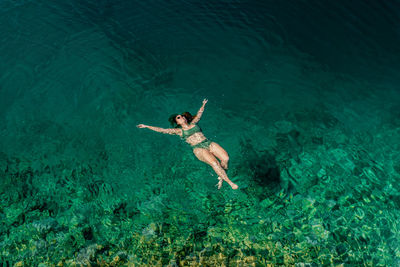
(203, 144)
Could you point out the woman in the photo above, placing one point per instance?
(204, 149)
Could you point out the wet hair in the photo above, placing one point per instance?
(186, 114)
(172, 120)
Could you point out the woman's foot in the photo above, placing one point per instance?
(234, 186)
(220, 181)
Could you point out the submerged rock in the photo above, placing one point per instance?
(45, 225)
(150, 231)
(87, 254)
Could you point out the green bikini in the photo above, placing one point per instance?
(203, 144)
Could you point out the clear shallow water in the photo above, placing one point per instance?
(303, 96)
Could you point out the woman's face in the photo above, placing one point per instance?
(180, 119)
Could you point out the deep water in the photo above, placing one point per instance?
(303, 95)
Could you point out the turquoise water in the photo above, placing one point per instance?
(303, 95)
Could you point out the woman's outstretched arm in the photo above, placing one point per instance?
(199, 113)
(161, 130)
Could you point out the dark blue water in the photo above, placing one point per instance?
(303, 95)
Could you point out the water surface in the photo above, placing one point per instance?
(302, 95)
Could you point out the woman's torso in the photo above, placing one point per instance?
(193, 135)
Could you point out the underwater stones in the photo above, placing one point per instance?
(375, 174)
(341, 248)
(307, 159)
(330, 203)
(215, 232)
(346, 201)
(319, 231)
(45, 225)
(389, 189)
(307, 203)
(285, 179)
(119, 258)
(338, 154)
(13, 214)
(317, 140)
(321, 174)
(295, 171)
(3, 162)
(393, 244)
(38, 246)
(335, 137)
(396, 165)
(338, 190)
(302, 178)
(342, 158)
(296, 200)
(86, 255)
(283, 126)
(152, 207)
(366, 199)
(149, 231)
(231, 232)
(370, 174)
(298, 233)
(266, 203)
(228, 208)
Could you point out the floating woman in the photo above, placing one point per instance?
(205, 150)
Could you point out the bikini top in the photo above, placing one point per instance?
(191, 131)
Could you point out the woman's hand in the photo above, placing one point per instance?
(141, 126)
(205, 101)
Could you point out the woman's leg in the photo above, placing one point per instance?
(220, 153)
(207, 157)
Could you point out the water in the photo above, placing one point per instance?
(302, 95)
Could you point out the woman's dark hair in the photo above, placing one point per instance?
(172, 120)
(186, 114)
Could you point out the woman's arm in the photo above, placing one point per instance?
(161, 130)
(199, 113)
